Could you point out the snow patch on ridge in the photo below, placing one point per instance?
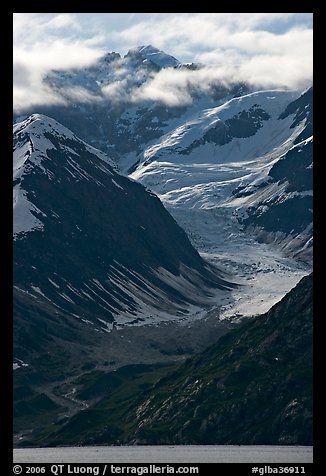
(18, 364)
(25, 214)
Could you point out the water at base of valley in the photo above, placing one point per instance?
(166, 454)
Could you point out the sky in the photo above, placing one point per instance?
(270, 50)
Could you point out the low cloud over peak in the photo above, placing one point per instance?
(265, 50)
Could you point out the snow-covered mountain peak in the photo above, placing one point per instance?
(38, 124)
(37, 134)
(151, 55)
(44, 147)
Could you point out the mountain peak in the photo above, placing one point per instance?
(44, 147)
(149, 54)
(34, 134)
(38, 124)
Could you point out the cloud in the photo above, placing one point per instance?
(192, 33)
(174, 86)
(63, 20)
(43, 43)
(264, 49)
(277, 71)
(117, 91)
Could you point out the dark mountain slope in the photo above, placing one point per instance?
(253, 387)
(93, 243)
(92, 250)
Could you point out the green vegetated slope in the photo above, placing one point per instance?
(253, 387)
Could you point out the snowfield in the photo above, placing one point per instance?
(196, 181)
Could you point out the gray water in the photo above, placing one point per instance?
(166, 454)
